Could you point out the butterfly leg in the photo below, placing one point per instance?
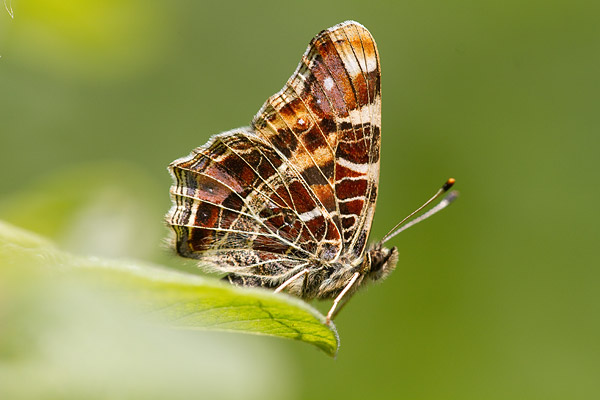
(341, 306)
(293, 278)
(330, 314)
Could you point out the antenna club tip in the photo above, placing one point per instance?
(449, 183)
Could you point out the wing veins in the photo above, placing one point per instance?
(365, 210)
(256, 172)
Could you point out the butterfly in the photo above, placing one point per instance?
(288, 202)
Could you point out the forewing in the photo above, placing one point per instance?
(326, 123)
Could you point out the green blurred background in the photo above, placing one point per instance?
(495, 298)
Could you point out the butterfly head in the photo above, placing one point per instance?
(381, 261)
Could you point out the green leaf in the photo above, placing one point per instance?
(181, 300)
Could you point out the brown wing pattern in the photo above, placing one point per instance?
(239, 206)
(326, 122)
(298, 188)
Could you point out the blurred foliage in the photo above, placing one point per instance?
(62, 337)
(182, 300)
(92, 39)
(495, 298)
(103, 215)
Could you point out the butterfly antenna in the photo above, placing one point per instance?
(446, 201)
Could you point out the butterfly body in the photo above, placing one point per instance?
(288, 202)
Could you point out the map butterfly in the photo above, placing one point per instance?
(288, 202)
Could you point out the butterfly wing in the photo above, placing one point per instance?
(239, 207)
(326, 122)
(298, 188)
